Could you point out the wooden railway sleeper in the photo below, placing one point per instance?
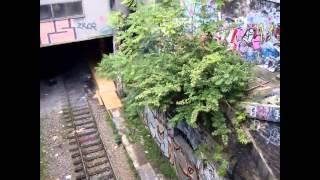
(86, 146)
(84, 122)
(82, 134)
(80, 177)
(105, 161)
(86, 152)
(99, 171)
(95, 157)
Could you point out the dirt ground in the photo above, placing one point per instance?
(55, 149)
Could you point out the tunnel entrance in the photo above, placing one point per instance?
(59, 59)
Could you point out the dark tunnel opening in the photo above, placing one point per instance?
(58, 59)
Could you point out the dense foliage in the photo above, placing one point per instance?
(185, 73)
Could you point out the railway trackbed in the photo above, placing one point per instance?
(89, 154)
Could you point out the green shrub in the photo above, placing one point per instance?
(186, 74)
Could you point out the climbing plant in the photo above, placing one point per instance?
(184, 73)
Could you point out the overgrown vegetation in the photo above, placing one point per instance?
(118, 141)
(115, 133)
(136, 175)
(137, 130)
(155, 156)
(167, 64)
(131, 4)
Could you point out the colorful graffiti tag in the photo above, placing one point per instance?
(258, 39)
(263, 112)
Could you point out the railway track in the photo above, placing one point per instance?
(89, 155)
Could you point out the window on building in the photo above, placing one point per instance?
(112, 2)
(67, 9)
(74, 9)
(61, 10)
(45, 12)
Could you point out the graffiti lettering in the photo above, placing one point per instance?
(258, 38)
(57, 32)
(261, 30)
(264, 112)
(185, 168)
(270, 134)
(274, 136)
(248, 36)
(158, 131)
(88, 26)
(176, 147)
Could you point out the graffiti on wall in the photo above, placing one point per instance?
(190, 134)
(57, 32)
(263, 112)
(258, 39)
(270, 133)
(158, 131)
(207, 171)
(178, 147)
(87, 25)
(72, 29)
(184, 166)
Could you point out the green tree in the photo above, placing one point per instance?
(188, 75)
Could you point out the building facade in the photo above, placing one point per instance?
(66, 21)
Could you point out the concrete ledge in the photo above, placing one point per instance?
(145, 171)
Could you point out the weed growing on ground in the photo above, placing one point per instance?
(115, 133)
(136, 130)
(136, 175)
